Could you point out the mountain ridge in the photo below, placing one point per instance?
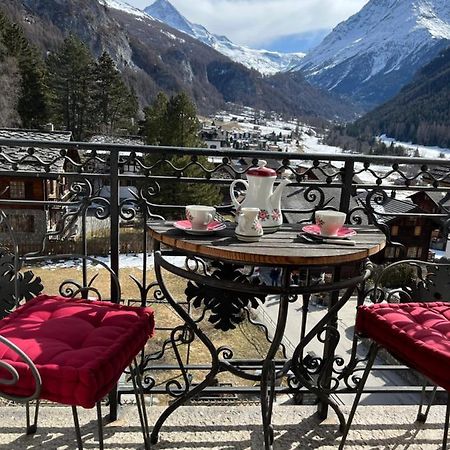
(382, 45)
(154, 57)
(265, 61)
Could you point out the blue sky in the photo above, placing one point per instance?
(271, 24)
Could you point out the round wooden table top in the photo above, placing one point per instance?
(280, 248)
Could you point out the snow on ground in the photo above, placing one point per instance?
(424, 151)
(310, 142)
(438, 254)
(125, 261)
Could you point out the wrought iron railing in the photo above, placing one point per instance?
(70, 188)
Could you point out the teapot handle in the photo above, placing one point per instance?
(233, 197)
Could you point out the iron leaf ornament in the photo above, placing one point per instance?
(28, 284)
(226, 307)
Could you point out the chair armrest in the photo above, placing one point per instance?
(15, 376)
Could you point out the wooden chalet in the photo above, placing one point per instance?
(29, 221)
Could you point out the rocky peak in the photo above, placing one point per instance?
(167, 13)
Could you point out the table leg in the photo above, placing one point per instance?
(329, 347)
(191, 327)
(317, 374)
(269, 375)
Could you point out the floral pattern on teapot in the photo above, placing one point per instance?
(261, 193)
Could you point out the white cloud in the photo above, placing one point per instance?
(251, 22)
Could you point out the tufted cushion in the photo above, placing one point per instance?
(80, 347)
(417, 333)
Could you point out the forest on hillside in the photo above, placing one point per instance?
(69, 88)
(420, 113)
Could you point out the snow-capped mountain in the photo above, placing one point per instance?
(125, 7)
(264, 61)
(154, 57)
(375, 52)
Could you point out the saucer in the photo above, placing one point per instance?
(243, 238)
(343, 232)
(186, 226)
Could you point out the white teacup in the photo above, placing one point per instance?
(200, 216)
(330, 221)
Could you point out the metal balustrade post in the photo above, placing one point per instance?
(115, 250)
(346, 191)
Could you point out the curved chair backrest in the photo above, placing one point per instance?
(10, 298)
(416, 281)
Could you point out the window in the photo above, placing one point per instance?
(413, 252)
(389, 252)
(392, 252)
(51, 187)
(129, 167)
(16, 189)
(417, 230)
(394, 230)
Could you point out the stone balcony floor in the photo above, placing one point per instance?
(227, 428)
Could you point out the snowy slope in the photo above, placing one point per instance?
(125, 7)
(385, 42)
(264, 61)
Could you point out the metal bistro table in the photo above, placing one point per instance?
(219, 268)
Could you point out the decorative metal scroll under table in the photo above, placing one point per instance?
(219, 263)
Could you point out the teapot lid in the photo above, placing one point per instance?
(262, 170)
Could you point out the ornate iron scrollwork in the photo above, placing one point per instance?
(28, 284)
(226, 307)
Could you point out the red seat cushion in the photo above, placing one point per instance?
(80, 347)
(417, 333)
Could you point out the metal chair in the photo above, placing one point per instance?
(70, 350)
(415, 329)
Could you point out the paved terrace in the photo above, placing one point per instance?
(225, 428)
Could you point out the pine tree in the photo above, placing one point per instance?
(71, 83)
(9, 82)
(155, 120)
(182, 126)
(32, 101)
(174, 123)
(115, 104)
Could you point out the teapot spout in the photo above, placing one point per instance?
(275, 198)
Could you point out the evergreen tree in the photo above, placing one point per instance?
(182, 126)
(155, 120)
(32, 101)
(71, 83)
(9, 92)
(115, 104)
(173, 122)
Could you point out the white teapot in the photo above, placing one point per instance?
(260, 195)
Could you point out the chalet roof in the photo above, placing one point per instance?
(390, 208)
(435, 196)
(294, 197)
(109, 139)
(35, 135)
(122, 140)
(39, 156)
